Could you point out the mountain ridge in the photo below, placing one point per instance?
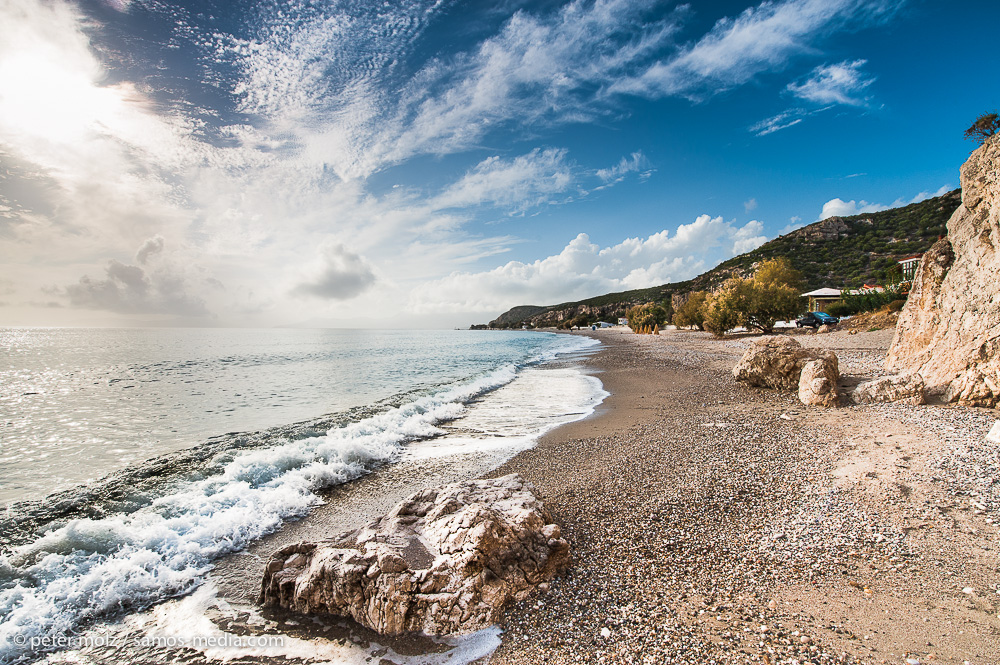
(836, 251)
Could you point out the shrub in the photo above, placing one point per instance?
(984, 127)
(896, 305)
(869, 300)
(838, 309)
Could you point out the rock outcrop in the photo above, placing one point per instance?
(949, 330)
(445, 560)
(908, 389)
(777, 362)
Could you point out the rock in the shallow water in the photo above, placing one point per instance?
(909, 389)
(445, 560)
(776, 362)
(818, 382)
(948, 331)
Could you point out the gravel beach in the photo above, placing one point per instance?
(716, 523)
(711, 522)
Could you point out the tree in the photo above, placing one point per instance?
(692, 312)
(778, 272)
(721, 313)
(644, 318)
(771, 295)
(984, 127)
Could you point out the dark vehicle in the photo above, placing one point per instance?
(816, 319)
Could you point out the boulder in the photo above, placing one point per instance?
(776, 362)
(949, 329)
(825, 328)
(909, 389)
(445, 560)
(818, 382)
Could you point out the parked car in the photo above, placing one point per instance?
(816, 319)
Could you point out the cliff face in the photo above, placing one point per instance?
(949, 330)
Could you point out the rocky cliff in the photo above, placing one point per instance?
(949, 330)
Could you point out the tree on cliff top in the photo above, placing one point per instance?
(984, 127)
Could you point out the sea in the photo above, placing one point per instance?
(133, 460)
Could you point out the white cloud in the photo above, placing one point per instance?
(634, 163)
(749, 204)
(794, 223)
(842, 83)
(163, 289)
(776, 123)
(150, 247)
(762, 38)
(840, 208)
(524, 182)
(337, 274)
(584, 269)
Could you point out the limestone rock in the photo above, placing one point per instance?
(825, 328)
(445, 560)
(909, 389)
(776, 362)
(949, 330)
(818, 382)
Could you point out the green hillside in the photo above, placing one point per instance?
(836, 252)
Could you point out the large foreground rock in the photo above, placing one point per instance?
(445, 560)
(949, 330)
(777, 362)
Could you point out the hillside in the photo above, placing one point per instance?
(836, 252)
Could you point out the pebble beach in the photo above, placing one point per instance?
(716, 523)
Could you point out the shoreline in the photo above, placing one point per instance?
(710, 520)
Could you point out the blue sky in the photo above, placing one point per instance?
(433, 162)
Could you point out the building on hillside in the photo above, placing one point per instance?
(821, 298)
(909, 266)
(622, 321)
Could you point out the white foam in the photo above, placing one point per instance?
(91, 568)
(185, 621)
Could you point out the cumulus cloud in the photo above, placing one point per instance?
(338, 274)
(585, 269)
(839, 208)
(150, 247)
(129, 289)
(842, 83)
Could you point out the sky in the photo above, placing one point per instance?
(432, 163)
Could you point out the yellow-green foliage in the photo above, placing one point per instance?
(692, 312)
(644, 319)
(771, 295)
